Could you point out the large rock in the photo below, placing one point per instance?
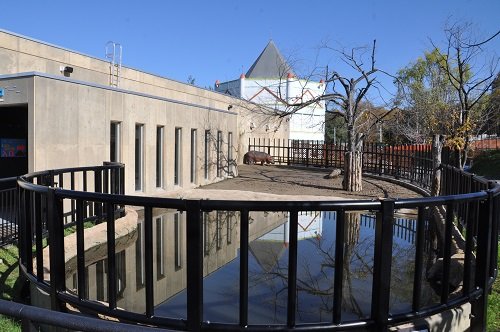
(456, 279)
(334, 173)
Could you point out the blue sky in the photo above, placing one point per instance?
(212, 40)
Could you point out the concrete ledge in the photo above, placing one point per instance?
(453, 320)
(95, 244)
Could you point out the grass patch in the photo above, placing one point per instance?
(487, 164)
(494, 304)
(9, 273)
(10, 284)
(72, 229)
(9, 325)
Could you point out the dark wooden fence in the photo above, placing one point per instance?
(412, 162)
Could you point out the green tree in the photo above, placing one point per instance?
(425, 98)
(335, 128)
(471, 72)
(446, 92)
(493, 123)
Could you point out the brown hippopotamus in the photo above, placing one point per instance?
(252, 157)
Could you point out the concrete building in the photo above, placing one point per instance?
(271, 82)
(60, 108)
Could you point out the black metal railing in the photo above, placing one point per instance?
(43, 205)
(8, 211)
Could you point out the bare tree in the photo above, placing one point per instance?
(347, 95)
(343, 95)
(471, 73)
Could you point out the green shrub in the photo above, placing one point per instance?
(487, 164)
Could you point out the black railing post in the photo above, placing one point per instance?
(445, 285)
(244, 268)
(38, 216)
(25, 230)
(419, 259)
(480, 306)
(111, 249)
(80, 249)
(56, 248)
(49, 181)
(339, 264)
(148, 258)
(382, 264)
(194, 238)
(495, 231)
(121, 183)
(292, 269)
(98, 189)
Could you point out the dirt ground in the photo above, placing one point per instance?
(297, 181)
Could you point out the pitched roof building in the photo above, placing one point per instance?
(270, 82)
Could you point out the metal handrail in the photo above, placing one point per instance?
(384, 208)
(29, 314)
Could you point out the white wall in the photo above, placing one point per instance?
(306, 124)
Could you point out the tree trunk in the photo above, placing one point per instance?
(437, 147)
(353, 164)
(438, 226)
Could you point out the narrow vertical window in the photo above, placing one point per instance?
(139, 156)
(159, 156)
(219, 154)
(230, 161)
(177, 241)
(160, 248)
(177, 157)
(194, 154)
(115, 142)
(207, 153)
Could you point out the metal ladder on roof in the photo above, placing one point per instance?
(114, 54)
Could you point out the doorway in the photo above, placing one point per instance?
(13, 140)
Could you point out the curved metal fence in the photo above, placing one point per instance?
(8, 211)
(52, 202)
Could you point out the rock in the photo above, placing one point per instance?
(455, 282)
(334, 173)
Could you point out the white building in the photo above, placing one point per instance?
(271, 82)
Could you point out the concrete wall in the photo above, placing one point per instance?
(70, 126)
(70, 114)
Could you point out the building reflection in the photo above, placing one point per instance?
(268, 261)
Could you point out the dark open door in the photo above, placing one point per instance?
(13, 140)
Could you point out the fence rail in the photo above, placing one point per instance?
(51, 201)
(412, 162)
(46, 209)
(8, 211)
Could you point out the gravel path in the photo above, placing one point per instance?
(286, 180)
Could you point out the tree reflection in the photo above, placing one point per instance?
(316, 269)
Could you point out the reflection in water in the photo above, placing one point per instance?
(268, 263)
